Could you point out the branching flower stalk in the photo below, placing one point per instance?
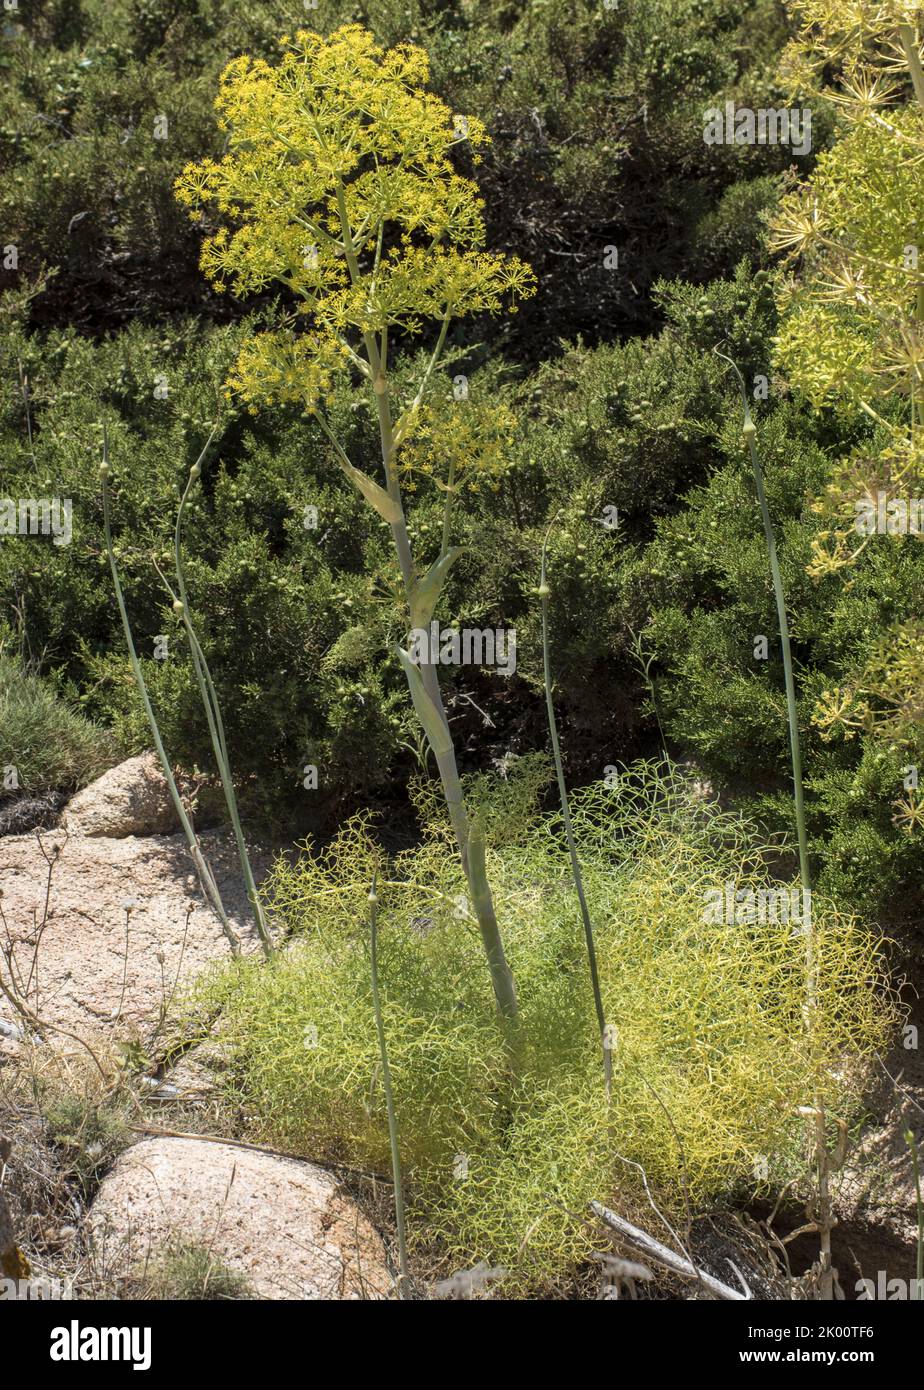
(338, 176)
(404, 1277)
(206, 878)
(824, 1217)
(852, 323)
(544, 592)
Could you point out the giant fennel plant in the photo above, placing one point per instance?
(338, 184)
(852, 329)
(852, 323)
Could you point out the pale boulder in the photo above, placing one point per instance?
(284, 1224)
(131, 799)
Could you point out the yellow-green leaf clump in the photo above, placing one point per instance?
(714, 1050)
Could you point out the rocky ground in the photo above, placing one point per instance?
(102, 921)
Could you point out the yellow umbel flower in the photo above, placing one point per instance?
(338, 184)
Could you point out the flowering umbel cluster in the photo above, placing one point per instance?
(475, 437)
(885, 698)
(852, 330)
(338, 184)
(852, 314)
(854, 232)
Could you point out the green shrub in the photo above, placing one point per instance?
(295, 633)
(711, 1057)
(273, 597)
(735, 227)
(51, 746)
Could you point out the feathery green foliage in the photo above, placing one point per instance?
(708, 1021)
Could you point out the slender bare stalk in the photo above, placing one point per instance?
(404, 1277)
(128, 917)
(576, 874)
(206, 878)
(825, 1220)
(210, 703)
(919, 1204)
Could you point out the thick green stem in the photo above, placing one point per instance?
(471, 854)
(473, 862)
(471, 845)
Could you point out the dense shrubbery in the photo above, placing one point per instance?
(622, 454)
(592, 146)
(596, 118)
(297, 634)
(45, 745)
(726, 704)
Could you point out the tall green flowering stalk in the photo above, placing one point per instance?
(852, 322)
(749, 431)
(816, 1113)
(339, 181)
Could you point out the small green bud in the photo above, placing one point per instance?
(104, 470)
(748, 428)
(543, 591)
(178, 607)
(195, 472)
